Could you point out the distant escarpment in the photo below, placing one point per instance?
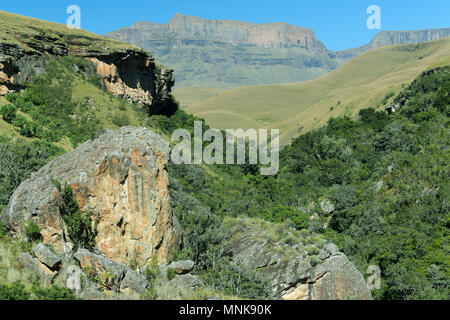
(388, 38)
(229, 53)
(273, 35)
(27, 45)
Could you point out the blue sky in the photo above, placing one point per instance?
(338, 24)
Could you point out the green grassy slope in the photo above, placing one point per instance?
(363, 82)
(189, 96)
(24, 31)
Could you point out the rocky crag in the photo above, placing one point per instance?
(299, 265)
(26, 46)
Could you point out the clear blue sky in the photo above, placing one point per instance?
(339, 24)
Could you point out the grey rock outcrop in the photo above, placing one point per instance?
(187, 281)
(298, 265)
(114, 276)
(181, 267)
(222, 53)
(33, 265)
(46, 256)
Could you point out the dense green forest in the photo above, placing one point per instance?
(377, 185)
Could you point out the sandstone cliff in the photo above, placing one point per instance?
(26, 46)
(273, 35)
(229, 53)
(120, 179)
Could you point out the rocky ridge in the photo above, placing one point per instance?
(388, 38)
(127, 71)
(229, 53)
(271, 35)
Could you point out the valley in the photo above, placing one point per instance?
(361, 83)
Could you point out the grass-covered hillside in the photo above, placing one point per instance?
(369, 80)
(28, 32)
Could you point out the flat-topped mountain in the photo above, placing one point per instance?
(225, 54)
(229, 53)
(272, 35)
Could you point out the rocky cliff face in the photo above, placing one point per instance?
(388, 38)
(127, 71)
(299, 265)
(228, 53)
(272, 35)
(120, 179)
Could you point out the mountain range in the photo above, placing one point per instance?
(224, 54)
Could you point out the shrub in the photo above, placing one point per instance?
(312, 250)
(8, 112)
(150, 294)
(13, 291)
(31, 130)
(171, 274)
(96, 81)
(387, 97)
(32, 231)
(121, 120)
(3, 231)
(19, 121)
(283, 213)
(152, 271)
(53, 293)
(237, 280)
(79, 224)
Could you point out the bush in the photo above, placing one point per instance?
(79, 224)
(3, 231)
(32, 130)
(19, 121)
(32, 231)
(121, 120)
(237, 280)
(53, 293)
(281, 214)
(8, 112)
(171, 274)
(14, 291)
(152, 271)
(96, 81)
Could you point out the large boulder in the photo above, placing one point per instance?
(120, 179)
(46, 256)
(182, 267)
(113, 276)
(298, 265)
(37, 269)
